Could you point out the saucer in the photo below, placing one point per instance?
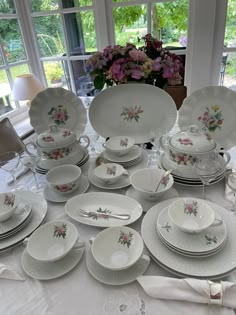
(131, 192)
(133, 154)
(118, 277)
(50, 270)
(53, 196)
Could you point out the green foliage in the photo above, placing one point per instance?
(54, 71)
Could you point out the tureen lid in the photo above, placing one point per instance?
(55, 137)
(192, 141)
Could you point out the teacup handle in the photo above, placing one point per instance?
(91, 240)
(217, 221)
(104, 145)
(125, 172)
(86, 138)
(146, 258)
(228, 157)
(79, 244)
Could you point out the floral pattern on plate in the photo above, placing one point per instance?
(59, 115)
(57, 154)
(132, 113)
(212, 118)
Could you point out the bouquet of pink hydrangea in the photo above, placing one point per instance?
(151, 64)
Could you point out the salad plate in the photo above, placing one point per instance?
(51, 195)
(39, 211)
(50, 270)
(214, 266)
(118, 277)
(213, 109)
(135, 110)
(57, 106)
(103, 203)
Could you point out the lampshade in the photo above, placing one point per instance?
(26, 87)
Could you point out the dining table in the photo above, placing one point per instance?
(78, 292)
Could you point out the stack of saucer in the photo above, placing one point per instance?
(56, 242)
(116, 256)
(189, 227)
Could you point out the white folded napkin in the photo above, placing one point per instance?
(7, 272)
(192, 290)
(230, 186)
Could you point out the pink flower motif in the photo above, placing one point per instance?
(185, 141)
(64, 188)
(59, 116)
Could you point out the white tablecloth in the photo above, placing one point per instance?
(78, 293)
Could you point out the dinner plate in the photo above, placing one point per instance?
(39, 211)
(54, 196)
(212, 108)
(103, 202)
(21, 226)
(57, 106)
(118, 277)
(134, 110)
(201, 243)
(15, 221)
(216, 266)
(186, 183)
(50, 270)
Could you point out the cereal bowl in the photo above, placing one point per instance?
(117, 248)
(119, 145)
(64, 179)
(191, 215)
(145, 182)
(52, 241)
(110, 173)
(8, 204)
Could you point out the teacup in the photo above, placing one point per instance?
(8, 205)
(192, 215)
(110, 172)
(119, 145)
(117, 248)
(64, 179)
(52, 241)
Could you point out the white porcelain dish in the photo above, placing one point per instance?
(117, 248)
(110, 173)
(134, 110)
(118, 277)
(47, 270)
(57, 106)
(39, 211)
(213, 109)
(103, 202)
(133, 154)
(8, 205)
(119, 145)
(215, 266)
(53, 196)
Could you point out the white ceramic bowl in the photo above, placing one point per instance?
(52, 241)
(64, 179)
(145, 181)
(117, 248)
(110, 172)
(191, 215)
(119, 145)
(8, 204)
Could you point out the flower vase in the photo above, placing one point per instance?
(178, 93)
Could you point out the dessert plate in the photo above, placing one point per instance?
(57, 106)
(39, 211)
(215, 266)
(53, 196)
(50, 270)
(103, 202)
(213, 109)
(118, 277)
(202, 243)
(134, 110)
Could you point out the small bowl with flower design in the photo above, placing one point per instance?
(64, 179)
(117, 248)
(52, 241)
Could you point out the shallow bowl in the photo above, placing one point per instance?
(110, 173)
(52, 241)
(117, 248)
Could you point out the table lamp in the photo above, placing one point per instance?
(26, 87)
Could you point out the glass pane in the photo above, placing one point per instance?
(76, 3)
(130, 24)
(49, 35)
(88, 26)
(230, 30)
(12, 41)
(5, 94)
(1, 60)
(170, 22)
(42, 5)
(19, 70)
(55, 73)
(122, 0)
(228, 71)
(7, 6)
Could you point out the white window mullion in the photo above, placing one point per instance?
(101, 14)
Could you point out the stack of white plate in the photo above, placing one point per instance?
(203, 244)
(133, 157)
(184, 175)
